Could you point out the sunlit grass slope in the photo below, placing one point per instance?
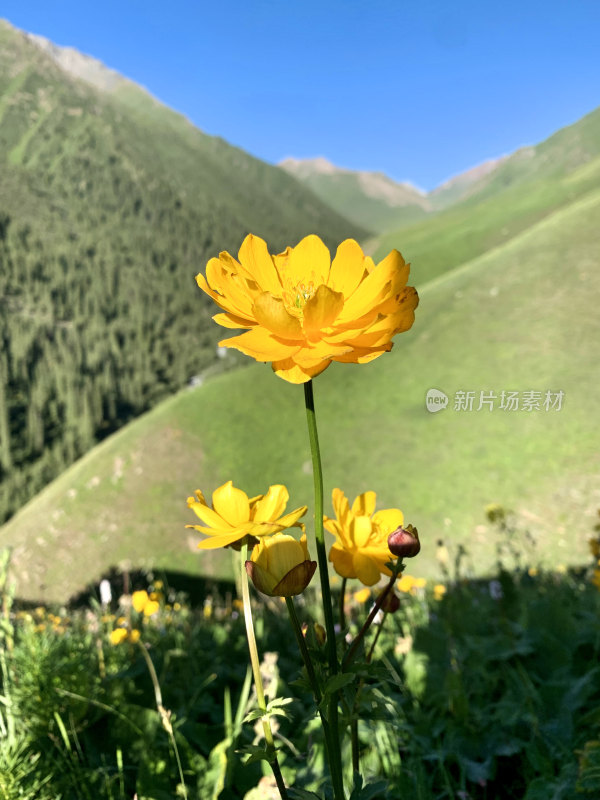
(530, 185)
(523, 317)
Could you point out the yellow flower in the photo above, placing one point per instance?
(143, 604)
(304, 310)
(362, 595)
(406, 583)
(280, 565)
(361, 548)
(439, 590)
(120, 635)
(233, 515)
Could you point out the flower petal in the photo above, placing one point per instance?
(342, 561)
(309, 260)
(364, 505)
(231, 504)
(272, 313)
(261, 579)
(205, 513)
(291, 520)
(292, 372)
(366, 569)
(254, 256)
(229, 320)
(360, 530)
(322, 308)
(269, 507)
(388, 519)
(347, 268)
(213, 542)
(261, 345)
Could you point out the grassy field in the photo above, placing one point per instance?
(522, 317)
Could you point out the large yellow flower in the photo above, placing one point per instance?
(361, 547)
(234, 515)
(305, 310)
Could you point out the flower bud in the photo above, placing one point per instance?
(404, 542)
(281, 566)
(320, 634)
(391, 602)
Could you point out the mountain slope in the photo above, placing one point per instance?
(526, 187)
(110, 203)
(370, 199)
(520, 318)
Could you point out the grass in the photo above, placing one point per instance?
(522, 317)
(498, 703)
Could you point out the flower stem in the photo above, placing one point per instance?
(310, 670)
(342, 604)
(332, 728)
(260, 692)
(367, 624)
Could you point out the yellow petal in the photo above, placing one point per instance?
(205, 513)
(292, 372)
(269, 507)
(364, 505)
(347, 268)
(365, 568)
(139, 600)
(261, 345)
(342, 561)
(363, 355)
(271, 312)
(151, 608)
(260, 577)
(376, 287)
(213, 542)
(291, 520)
(309, 260)
(254, 256)
(322, 308)
(231, 504)
(231, 321)
(388, 519)
(360, 530)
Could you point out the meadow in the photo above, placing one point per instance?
(500, 703)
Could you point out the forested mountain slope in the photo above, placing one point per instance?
(110, 203)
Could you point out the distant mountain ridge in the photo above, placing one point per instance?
(376, 200)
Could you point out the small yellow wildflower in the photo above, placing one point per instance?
(406, 583)
(439, 590)
(144, 604)
(120, 635)
(362, 595)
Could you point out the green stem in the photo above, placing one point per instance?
(260, 692)
(361, 634)
(342, 604)
(335, 758)
(310, 670)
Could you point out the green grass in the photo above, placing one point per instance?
(523, 317)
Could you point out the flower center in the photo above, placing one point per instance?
(296, 297)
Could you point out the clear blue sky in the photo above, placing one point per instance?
(419, 90)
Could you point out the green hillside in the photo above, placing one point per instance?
(370, 199)
(522, 317)
(525, 188)
(110, 203)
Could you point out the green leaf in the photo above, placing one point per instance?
(337, 682)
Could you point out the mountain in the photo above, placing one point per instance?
(463, 185)
(522, 189)
(370, 199)
(520, 318)
(110, 203)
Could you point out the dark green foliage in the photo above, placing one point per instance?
(109, 205)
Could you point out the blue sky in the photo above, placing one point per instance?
(419, 90)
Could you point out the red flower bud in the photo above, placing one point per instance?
(391, 603)
(404, 542)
